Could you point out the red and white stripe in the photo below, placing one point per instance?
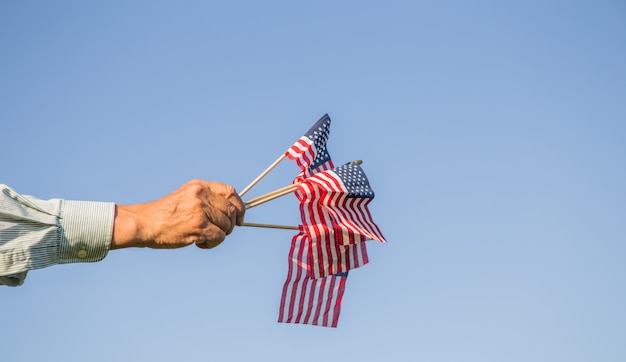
(303, 152)
(326, 256)
(306, 300)
(353, 220)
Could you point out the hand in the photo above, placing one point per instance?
(198, 212)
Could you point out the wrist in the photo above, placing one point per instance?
(126, 228)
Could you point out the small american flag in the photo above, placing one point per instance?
(319, 264)
(333, 248)
(326, 255)
(306, 300)
(345, 193)
(310, 152)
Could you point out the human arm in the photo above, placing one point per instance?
(38, 233)
(198, 212)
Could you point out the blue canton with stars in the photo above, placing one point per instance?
(319, 135)
(355, 180)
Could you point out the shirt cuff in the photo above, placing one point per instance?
(13, 280)
(87, 230)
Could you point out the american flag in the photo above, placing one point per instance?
(326, 256)
(310, 152)
(345, 193)
(318, 267)
(307, 300)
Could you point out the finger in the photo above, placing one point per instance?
(225, 198)
(208, 244)
(240, 208)
(232, 217)
(231, 195)
(216, 217)
(213, 237)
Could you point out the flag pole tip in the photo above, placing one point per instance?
(358, 162)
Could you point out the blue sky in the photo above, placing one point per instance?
(492, 133)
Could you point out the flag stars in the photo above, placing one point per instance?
(318, 135)
(354, 180)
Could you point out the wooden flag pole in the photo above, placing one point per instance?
(280, 192)
(271, 226)
(276, 193)
(263, 174)
(271, 196)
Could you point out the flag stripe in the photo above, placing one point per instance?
(351, 212)
(326, 255)
(303, 152)
(305, 300)
(336, 195)
(309, 151)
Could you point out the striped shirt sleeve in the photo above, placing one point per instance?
(36, 233)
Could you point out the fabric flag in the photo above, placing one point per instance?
(345, 193)
(310, 151)
(306, 300)
(326, 256)
(315, 285)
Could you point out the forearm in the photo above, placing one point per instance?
(37, 233)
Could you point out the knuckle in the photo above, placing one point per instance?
(229, 189)
(195, 189)
(197, 222)
(197, 204)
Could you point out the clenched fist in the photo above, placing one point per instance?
(198, 212)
